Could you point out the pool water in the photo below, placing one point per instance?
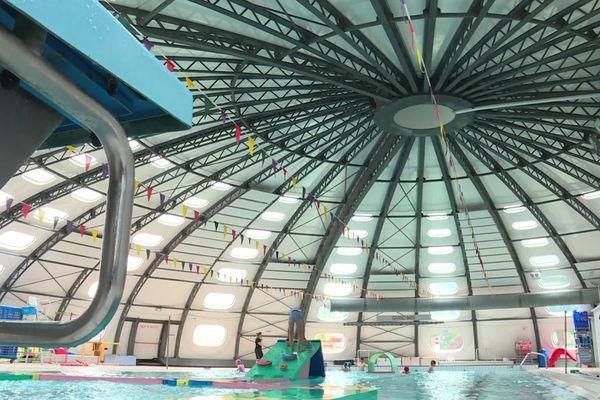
(491, 384)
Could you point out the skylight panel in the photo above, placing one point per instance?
(441, 267)
(362, 217)
(48, 214)
(272, 216)
(134, 262)
(17, 241)
(443, 288)
(147, 239)
(244, 253)
(160, 162)
(437, 216)
(335, 289)
(288, 199)
(348, 251)
(38, 176)
(524, 225)
(170, 220)
(514, 209)
(86, 195)
(343, 269)
(440, 250)
(82, 159)
(222, 186)
(258, 234)
(548, 260)
(537, 242)
(196, 202)
(439, 233)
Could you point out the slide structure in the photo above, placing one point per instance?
(558, 353)
(309, 363)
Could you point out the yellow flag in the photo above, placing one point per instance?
(420, 58)
(137, 184)
(174, 262)
(257, 245)
(40, 215)
(294, 181)
(325, 211)
(224, 230)
(138, 249)
(94, 235)
(71, 148)
(189, 83)
(185, 210)
(251, 146)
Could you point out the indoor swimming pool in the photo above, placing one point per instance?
(490, 383)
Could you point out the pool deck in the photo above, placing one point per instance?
(38, 367)
(586, 383)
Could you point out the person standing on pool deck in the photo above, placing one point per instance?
(258, 346)
(296, 329)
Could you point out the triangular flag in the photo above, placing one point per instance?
(147, 254)
(238, 133)
(88, 162)
(294, 182)
(149, 192)
(224, 230)
(197, 269)
(40, 215)
(233, 234)
(189, 83)
(325, 211)
(55, 223)
(284, 173)
(223, 116)
(174, 261)
(167, 258)
(9, 201)
(274, 166)
(69, 227)
(162, 200)
(26, 208)
(71, 148)
(216, 225)
(184, 210)
(136, 185)
(251, 146)
(196, 215)
(81, 229)
(170, 65)
(264, 249)
(138, 249)
(104, 170)
(147, 43)
(94, 235)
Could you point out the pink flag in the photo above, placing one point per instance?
(26, 209)
(238, 133)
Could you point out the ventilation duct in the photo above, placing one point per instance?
(483, 302)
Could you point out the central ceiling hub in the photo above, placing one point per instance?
(416, 115)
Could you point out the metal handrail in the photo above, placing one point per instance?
(72, 101)
(534, 352)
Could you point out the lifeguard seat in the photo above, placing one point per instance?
(71, 73)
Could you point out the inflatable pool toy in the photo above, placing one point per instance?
(374, 368)
(557, 354)
(263, 363)
(289, 357)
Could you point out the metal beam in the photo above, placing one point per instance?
(385, 208)
(143, 20)
(432, 11)
(461, 240)
(378, 160)
(384, 15)
(489, 204)
(418, 220)
(319, 188)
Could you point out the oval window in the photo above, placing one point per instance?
(442, 268)
(219, 301)
(548, 260)
(554, 282)
(209, 335)
(443, 288)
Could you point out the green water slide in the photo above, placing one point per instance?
(309, 363)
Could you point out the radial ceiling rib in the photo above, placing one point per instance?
(305, 205)
(518, 191)
(492, 210)
(384, 152)
(385, 209)
(384, 15)
(455, 217)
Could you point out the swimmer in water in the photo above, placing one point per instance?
(431, 366)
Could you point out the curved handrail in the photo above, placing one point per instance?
(533, 352)
(68, 98)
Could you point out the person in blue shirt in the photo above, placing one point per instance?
(296, 329)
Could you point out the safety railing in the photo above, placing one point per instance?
(16, 57)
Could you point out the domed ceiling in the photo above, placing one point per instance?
(317, 132)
